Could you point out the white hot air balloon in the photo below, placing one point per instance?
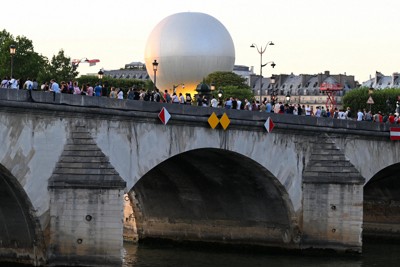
(188, 46)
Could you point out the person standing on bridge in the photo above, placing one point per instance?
(360, 115)
(188, 99)
(77, 90)
(54, 87)
(181, 99)
(120, 94)
(97, 89)
(4, 82)
(28, 84)
(90, 90)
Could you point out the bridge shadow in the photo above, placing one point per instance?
(213, 195)
(382, 205)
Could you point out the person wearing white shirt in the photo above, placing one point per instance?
(239, 104)
(120, 94)
(14, 83)
(360, 115)
(308, 110)
(28, 84)
(214, 102)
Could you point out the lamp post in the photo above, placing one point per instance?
(220, 93)
(100, 74)
(212, 87)
(287, 98)
(12, 53)
(272, 81)
(155, 67)
(370, 101)
(261, 51)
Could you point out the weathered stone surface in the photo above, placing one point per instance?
(131, 138)
(332, 200)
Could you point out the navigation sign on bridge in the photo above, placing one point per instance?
(164, 116)
(269, 125)
(394, 133)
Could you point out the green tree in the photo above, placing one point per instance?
(384, 99)
(59, 68)
(234, 91)
(123, 84)
(27, 63)
(6, 40)
(226, 78)
(230, 83)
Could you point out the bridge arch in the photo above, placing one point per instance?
(21, 239)
(214, 195)
(382, 203)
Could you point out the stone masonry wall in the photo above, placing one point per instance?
(86, 227)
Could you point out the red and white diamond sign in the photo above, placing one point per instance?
(269, 125)
(164, 116)
(394, 133)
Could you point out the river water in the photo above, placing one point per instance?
(374, 254)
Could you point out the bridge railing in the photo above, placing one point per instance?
(37, 101)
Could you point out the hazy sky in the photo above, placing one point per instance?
(344, 36)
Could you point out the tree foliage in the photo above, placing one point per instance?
(60, 68)
(123, 84)
(384, 99)
(30, 64)
(27, 63)
(231, 84)
(234, 91)
(226, 78)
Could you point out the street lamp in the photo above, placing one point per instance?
(370, 90)
(261, 51)
(220, 93)
(272, 81)
(100, 74)
(12, 53)
(212, 86)
(287, 98)
(155, 66)
(370, 101)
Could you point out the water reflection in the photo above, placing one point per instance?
(151, 256)
(375, 254)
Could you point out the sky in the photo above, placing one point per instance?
(350, 37)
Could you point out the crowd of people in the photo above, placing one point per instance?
(300, 110)
(133, 93)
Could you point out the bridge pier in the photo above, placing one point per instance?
(332, 201)
(86, 206)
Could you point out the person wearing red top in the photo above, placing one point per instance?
(391, 118)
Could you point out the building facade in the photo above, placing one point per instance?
(304, 89)
(381, 81)
(133, 70)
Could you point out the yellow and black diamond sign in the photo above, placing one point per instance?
(213, 121)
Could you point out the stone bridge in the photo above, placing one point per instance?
(69, 162)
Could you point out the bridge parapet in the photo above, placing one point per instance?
(144, 110)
